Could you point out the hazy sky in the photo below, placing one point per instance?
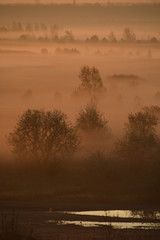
(71, 1)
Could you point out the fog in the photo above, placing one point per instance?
(97, 64)
(35, 80)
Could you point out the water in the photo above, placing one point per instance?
(135, 220)
(117, 225)
(119, 213)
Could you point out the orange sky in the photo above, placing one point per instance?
(71, 1)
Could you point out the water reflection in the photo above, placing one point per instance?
(153, 219)
(146, 214)
(117, 225)
(120, 214)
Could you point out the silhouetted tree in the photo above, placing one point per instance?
(154, 40)
(140, 140)
(54, 31)
(129, 35)
(43, 135)
(94, 38)
(90, 119)
(112, 37)
(91, 84)
(90, 78)
(153, 110)
(67, 51)
(93, 127)
(68, 36)
(44, 51)
(25, 37)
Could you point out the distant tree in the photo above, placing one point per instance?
(25, 37)
(112, 37)
(93, 128)
(154, 40)
(94, 39)
(44, 51)
(129, 35)
(67, 51)
(54, 31)
(140, 140)
(90, 79)
(68, 36)
(42, 136)
(90, 119)
(91, 84)
(104, 40)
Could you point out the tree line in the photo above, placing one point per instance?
(47, 135)
(52, 34)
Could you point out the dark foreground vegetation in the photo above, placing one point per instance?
(127, 174)
(10, 228)
(35, 226)
(94, 178)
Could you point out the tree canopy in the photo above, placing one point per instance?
(91, 83)
(43, 135)
(140, 139)
(90, 119)
(90, 78)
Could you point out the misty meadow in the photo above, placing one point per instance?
(80, 121)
